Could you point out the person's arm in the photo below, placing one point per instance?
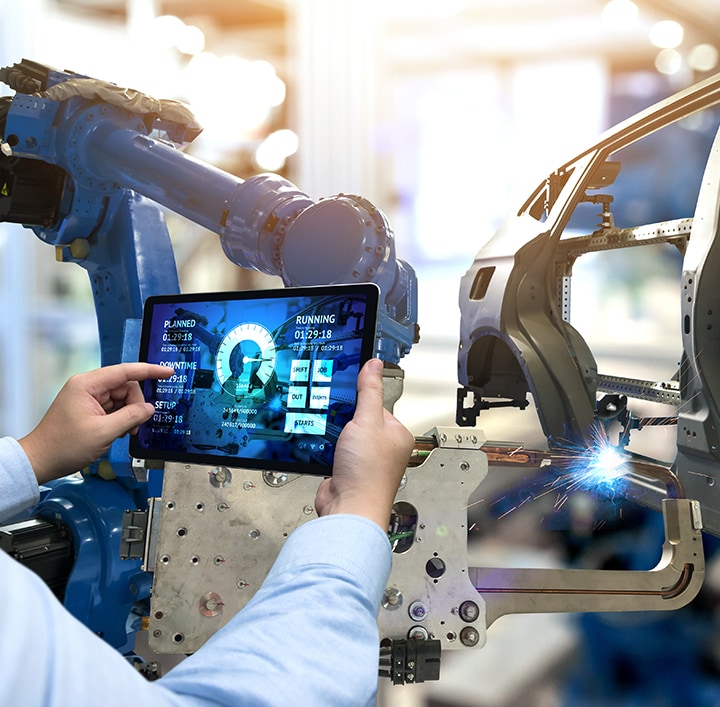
(91, 411)
(19, 488)
(309, 636)
(50, 659)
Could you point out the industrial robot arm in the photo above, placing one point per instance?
(106, 143)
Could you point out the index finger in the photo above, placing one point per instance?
(111, 377)
(370, 392)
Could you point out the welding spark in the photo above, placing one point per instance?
(596, 466)
(601, 466)
(607, 465)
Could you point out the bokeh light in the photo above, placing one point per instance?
(620, 13)
(171, 32)
(275, 149)
(667, 34)
(669, 61)
(703, 57)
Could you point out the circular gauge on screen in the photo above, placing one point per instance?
(245, 359)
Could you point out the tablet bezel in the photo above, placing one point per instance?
(369, 291)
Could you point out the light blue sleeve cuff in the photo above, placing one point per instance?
(18, 486)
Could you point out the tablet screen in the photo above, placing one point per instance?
(263, 379)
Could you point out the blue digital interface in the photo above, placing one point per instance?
(262, 379)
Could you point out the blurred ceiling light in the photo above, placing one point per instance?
(166, 29)
(667, 34)
(275, 149)
(703, 57)
(620, 13)
(171, 32)
(268, 85)
(668, 61)
(191, 41)
(232, 97)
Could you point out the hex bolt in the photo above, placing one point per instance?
(275, 478)
(469, 611)
(469, 636)
(392, 599)
(417, 611)
(220, 477)
(210, 604)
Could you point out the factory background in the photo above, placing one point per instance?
(443, 113)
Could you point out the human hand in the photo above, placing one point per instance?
(371, 456)
(88, 414)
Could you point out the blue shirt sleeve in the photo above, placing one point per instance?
(18, 485)
(309, 636)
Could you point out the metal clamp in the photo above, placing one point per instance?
(673, 583)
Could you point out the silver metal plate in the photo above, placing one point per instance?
(221, 529)
(433, 572)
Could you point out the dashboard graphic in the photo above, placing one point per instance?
(262, 379)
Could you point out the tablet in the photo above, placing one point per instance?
(264, 379)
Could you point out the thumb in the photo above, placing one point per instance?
(370, 392)
(128, 418)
